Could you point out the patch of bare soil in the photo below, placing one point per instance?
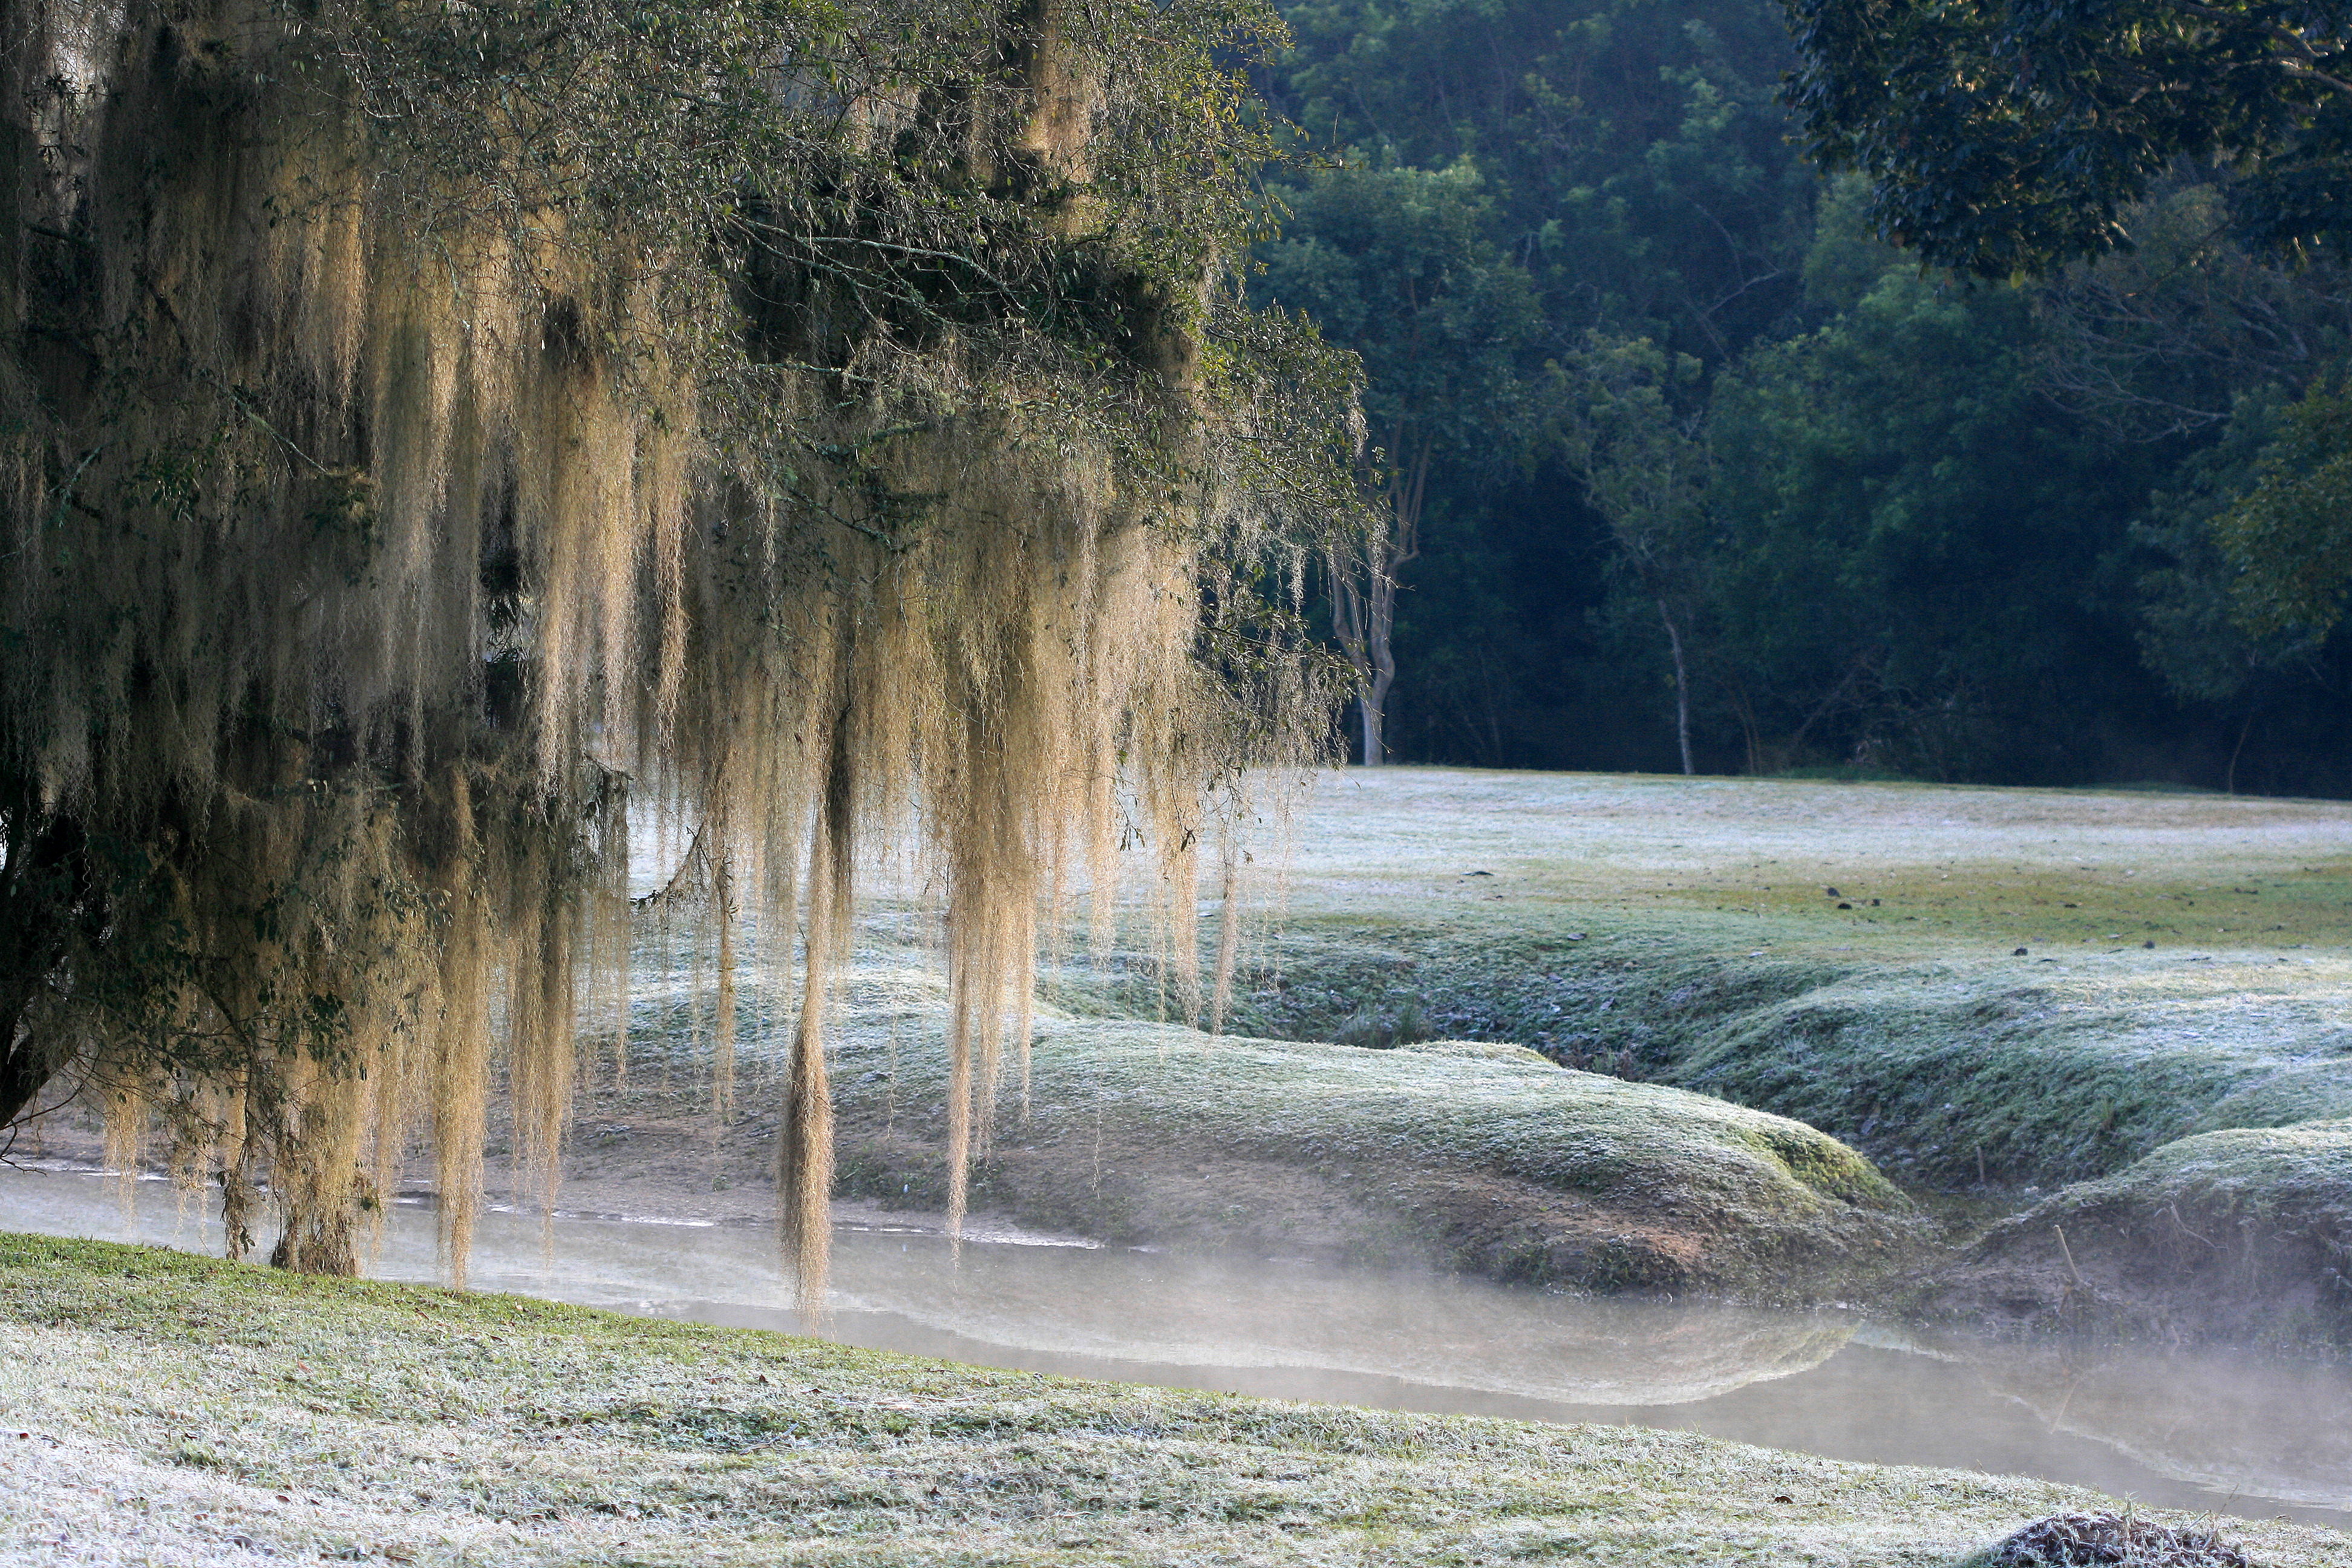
(2240, 1237)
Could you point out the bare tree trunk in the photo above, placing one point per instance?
(1371, 710)
(1682, 686)
(1364, 601)
(2229, 785)
(1751, 734)
(1374, 702)
(1352, 622)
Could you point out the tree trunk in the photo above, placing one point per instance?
(25, 1070)
(2230, 783)
(1682, 686)
(44, 882)
(318, 1237)
(1351, 618)
(1374, 696)
(1374, 653)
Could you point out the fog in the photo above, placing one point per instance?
(2221, 1431)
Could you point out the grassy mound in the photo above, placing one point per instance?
(1957, 1073)
(166, 1409)
(1466, 1155)
(2243, 1236)
(1848, 955)
(1991, 991)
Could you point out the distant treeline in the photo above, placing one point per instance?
(1642, 376)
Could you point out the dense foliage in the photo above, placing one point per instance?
(2006, 137)
(1924, 523)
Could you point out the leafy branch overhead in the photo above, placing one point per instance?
(2012, 136)
(2019, 136)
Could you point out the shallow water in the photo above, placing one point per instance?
(2229, 1432)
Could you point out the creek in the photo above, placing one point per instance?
(2219, 1431)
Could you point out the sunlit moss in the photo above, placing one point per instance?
(445, 430)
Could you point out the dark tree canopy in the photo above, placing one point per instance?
(1952, 527)
(2010, 136)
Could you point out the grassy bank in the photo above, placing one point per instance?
(2250, 1230)
(1464, 1156)
(1847, 954)
(162, 1408)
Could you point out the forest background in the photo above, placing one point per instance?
(1649, 390)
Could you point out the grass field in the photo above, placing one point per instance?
(1990, 993)
(159, 1408)
(1955, 869)
(162, 1409)
(1842, 955)
(1687, 930)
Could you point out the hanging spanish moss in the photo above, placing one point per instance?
(431, 430)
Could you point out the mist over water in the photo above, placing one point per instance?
(2220, 1431)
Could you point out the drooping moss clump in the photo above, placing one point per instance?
(437, 439)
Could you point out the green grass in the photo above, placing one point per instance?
(1484, 1157)
(1713, 954)
(161, 1408)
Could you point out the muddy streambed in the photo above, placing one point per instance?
(2204, 1430)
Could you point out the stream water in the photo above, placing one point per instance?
(2223, 1432)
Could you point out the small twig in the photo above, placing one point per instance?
(246, 406)
(2174, 1210)
(676, 886)
(2069, 1252)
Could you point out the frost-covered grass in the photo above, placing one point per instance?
(1983, 868)
(1686, 931)
(1469, 1155)
(161, 1408)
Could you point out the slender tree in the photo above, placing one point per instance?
(1392, 264)
(1646, 468)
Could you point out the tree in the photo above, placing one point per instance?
(2194, 634)
(2009, 137)
(1919, 558)
(1637, 157)
(430, 428)
(1647, 467)
(2012, 138)
(1393, 265)
(2290, 537)
(2169, 338)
